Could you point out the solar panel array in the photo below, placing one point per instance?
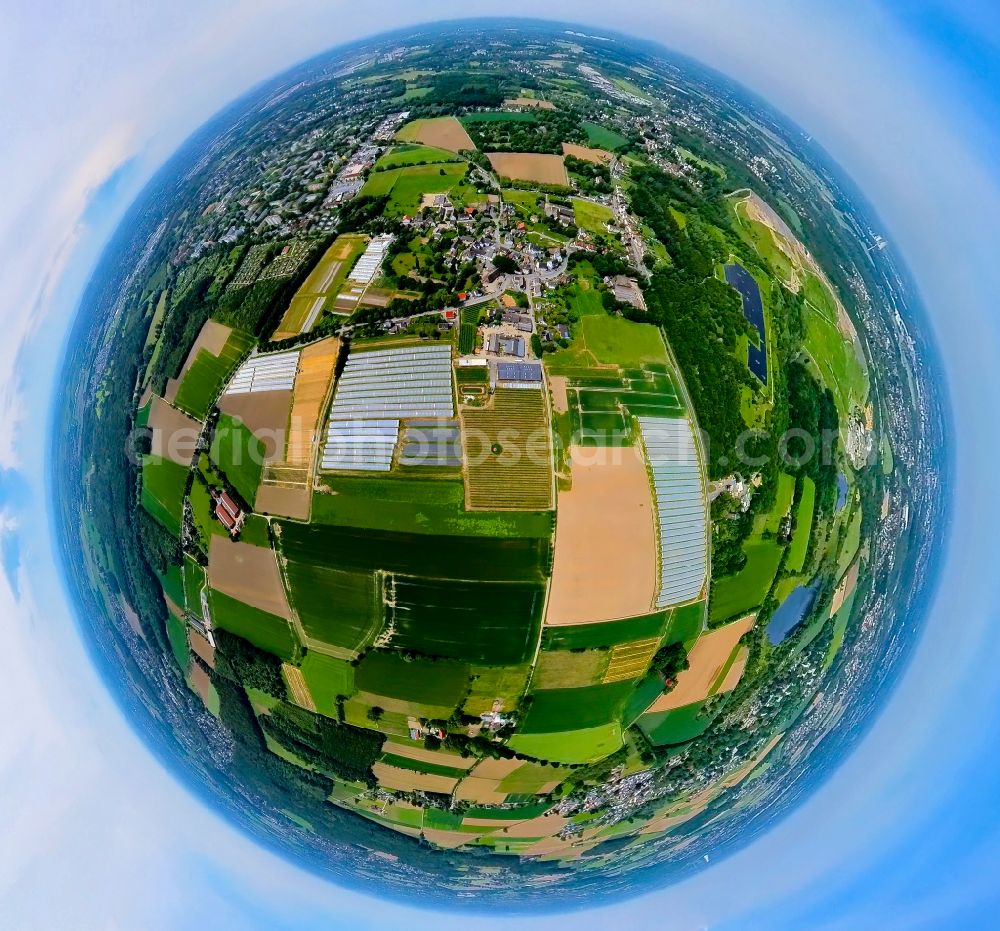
(364, 445)
(680, 505)
(378, 389)
(528, 373)
(368, 265)
(275, 372)
(399, 383)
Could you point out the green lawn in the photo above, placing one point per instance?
(239, 455)
(591, 216)
(208, 373)
(673, 727)
(601, 339)
(265, 631)
(407, 186)
(576, 746)
(163, 484)
(177, 635)
(600, 137)
(327, 677)
(738, 594)
(560, 709)
(401, 156)
(799, 546)
(423, 681)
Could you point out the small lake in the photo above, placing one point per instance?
(790, 613)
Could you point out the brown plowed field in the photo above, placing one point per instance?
(248, 573)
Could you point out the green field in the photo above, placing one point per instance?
(485, 558)
(833, 353)
(163, 485)
(418, 506)
(239, 455)
(423, 681)
(608, 634)
(467, 330)
(338, 606)
(500, 116)
(601, 339)
(327, 677)
(494, 623)
(738, 594)
(562, 669)
(575, 746)
(407, 186)
(421, 766)
(208, 373)
(402, 156)
(600, 137)
(266, 631)
(646, 692)
(527, 779)
(172, 582)
(799, 546)
(591, 216)
(489, 683)
(676, 726)
(177, 635)
(561, 709)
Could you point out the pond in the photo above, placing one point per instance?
(792, 610)
(842, 489)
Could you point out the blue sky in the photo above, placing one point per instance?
(904, 96)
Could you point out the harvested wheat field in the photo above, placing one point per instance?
(529, 102)
(530, 166)
(175, 435)
(248, 573)
(297, 687)
(846, 586)
(265, 414)
(582, 152)
(408, 780)
(202, 648)
(212, 337)
(560, 396)
(286, 489)
(444, 132)
(605, 565)
(707, 661)
(480, 791)
(284, 501)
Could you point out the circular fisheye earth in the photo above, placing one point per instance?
(499, 464)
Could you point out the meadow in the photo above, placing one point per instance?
(163, 485)
(591, 216)
(799, 546)
(239, 455)
(564, 709)
(601, 137)
(406, 187)
(423, 681)
(327, 677)
(664, 728)
(574, 746)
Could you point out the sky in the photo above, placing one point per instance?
(94, 96)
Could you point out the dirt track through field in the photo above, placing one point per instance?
(605, 564)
